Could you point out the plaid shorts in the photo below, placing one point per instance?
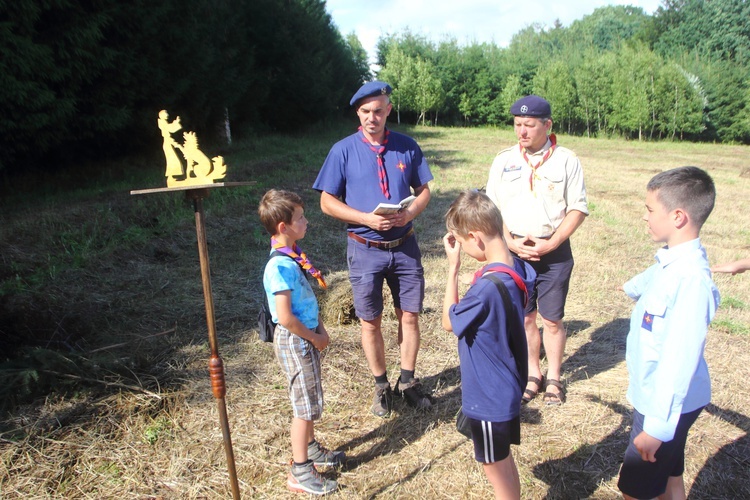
(300, 362)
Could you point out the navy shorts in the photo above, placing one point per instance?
(552, 282)
(643, 479)
(492, 440)
(400, 267)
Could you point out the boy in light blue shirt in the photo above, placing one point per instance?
(677, 299)
(298, 338)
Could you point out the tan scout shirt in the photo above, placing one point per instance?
(558, 189)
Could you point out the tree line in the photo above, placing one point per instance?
(81, 77)
(86, 78)
(679, 74)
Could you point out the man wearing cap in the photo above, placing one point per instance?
(538, 187)
(376, 165)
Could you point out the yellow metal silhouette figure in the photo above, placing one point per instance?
(174, 165)
(198, 169)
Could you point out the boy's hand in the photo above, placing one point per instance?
(452, 250)
(320, 340)
(647, 446)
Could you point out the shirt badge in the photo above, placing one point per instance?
(512, 168)
(401, 166)
(648, 321)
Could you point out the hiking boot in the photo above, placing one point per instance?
(322, 456)
(305, 478)
(412, 393)
(382, 403)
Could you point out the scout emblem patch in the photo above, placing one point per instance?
(648, 321)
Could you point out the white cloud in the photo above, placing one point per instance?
(466, 21)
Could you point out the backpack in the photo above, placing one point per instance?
(266, 326)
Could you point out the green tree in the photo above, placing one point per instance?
(555, 83)
(359, 55)
(594, 83)
(512, 91)
(679, 108)
(428, 93)
(633, 91)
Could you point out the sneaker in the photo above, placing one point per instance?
(382, 403)
(322, 456)
(412, 392)
(306, 479)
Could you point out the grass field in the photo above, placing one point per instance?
(112, 282)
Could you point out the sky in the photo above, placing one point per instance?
(468, 21)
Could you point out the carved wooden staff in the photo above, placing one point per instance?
(215, 364)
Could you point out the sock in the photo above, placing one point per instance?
(406, 376)
(297, 464)
(382, 379)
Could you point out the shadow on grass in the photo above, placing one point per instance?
(724, 475)
(407, 425)
(579, 474)
(605, 350)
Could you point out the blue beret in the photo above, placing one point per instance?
(370, 89)
(531, 105)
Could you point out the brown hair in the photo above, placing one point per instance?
(278, 206)
(473, 211)
(689, 188)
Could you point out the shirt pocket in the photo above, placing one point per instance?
(652, 328)
(511, 182)
(553, 187)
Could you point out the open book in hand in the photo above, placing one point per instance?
(393, 208)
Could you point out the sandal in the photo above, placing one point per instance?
(552, 398)
(529, 394)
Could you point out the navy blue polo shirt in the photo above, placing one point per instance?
(491, 384)
(350, 172)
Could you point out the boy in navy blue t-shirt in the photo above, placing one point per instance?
(491, 343)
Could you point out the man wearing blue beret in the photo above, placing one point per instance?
(372, 166)
(538, 187)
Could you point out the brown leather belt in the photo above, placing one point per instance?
(383, 245)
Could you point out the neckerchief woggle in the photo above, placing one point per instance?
(507, 270)
(301, 257)
(379, 150)
(533, 176)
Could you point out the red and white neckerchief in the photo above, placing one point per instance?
(534, 168)
(301, 258)
(379, 150)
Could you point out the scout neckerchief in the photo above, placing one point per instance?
(381, 166)
(534, 168)
(301, 258)
(507, 270)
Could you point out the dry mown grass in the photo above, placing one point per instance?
(165, 442)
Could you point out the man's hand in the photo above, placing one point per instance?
(647, 446)
(383, 222)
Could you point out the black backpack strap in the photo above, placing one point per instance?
(521, 364)
(507, 302)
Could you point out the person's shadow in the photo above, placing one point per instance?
(580, 474)
(407, 425)
(605, 350)
(725, 474)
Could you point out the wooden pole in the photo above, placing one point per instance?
(215, 363)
